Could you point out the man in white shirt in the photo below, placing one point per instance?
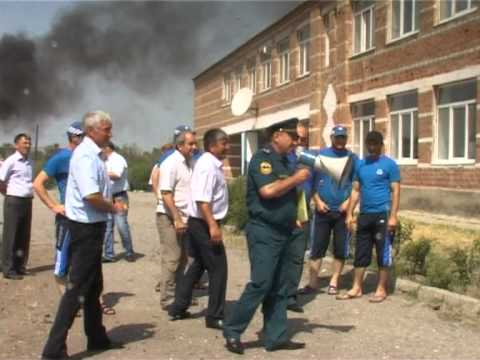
(208, 206)
(87, 203)
(16, 185)
(118, 172)
(174, 187)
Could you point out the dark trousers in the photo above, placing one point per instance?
(202, 256)
(84, 288)
(295, 256)
(17, 222)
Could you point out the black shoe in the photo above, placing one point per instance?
(179, 316)
(104, 346)
(287, 345)
(234, 345)
(214, 323)
(108, 259)
(130, 258)
(12, 275)
(23, 272)
(295, 308)
(55, 357)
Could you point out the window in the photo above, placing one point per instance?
(404, 126)
(327, 50)
(227, 88)
(363, 26)
(237, 81)
(284, 55)
(363, 120)
(405, 17)
(304, 47)
(450, 8)
(252, 75)
(266, 67)
(456, 121)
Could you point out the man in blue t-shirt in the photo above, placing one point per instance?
(331, 204)
(377, 186)
(57, 167)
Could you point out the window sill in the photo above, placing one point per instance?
(225, 104)
(303, 75)
(456, 16)
(402, 37)
(362, 53)
(265, 90)
(459, 162)
(407, 162)
(283, 83)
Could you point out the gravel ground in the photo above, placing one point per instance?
(399, 328)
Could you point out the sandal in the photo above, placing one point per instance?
(348, 296)
(377, 298)
(107, 310)
(332, 290)
(307, 290)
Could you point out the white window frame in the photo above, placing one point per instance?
(451, 128)
(363, 35)
(455, 13)
(252, 79)
(415, 20)
(284, 67)
(304, 57)
(266, 75)
(361, 138)
(327, 50)
(400, 158)
(237, 83)
(227, 89)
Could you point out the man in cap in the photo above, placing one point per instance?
(331, 204)
(16, 185)
(57, 167)
(377, 185)
(272, 208)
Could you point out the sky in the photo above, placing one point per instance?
(135, 60)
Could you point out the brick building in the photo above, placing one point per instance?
(408, 68)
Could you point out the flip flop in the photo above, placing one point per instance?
(107, 310)
(347, 296)
(332, 290)
(307, 290)
(377, 299)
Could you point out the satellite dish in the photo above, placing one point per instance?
(241, 101)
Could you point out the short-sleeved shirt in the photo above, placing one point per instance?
(176, 173)
(87, 176)
(266, 167)
(117, 164)
(330, 191)
(375, 176)
(208, 185)
(16, 172)
(57, 166)
(164, 156)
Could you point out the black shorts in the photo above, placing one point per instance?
(323, 225)
(372, 230)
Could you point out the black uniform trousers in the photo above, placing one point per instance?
(202, 256)
(17, 222)
(84, 288)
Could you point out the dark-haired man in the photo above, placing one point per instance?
(377, 185)
(16, 185)
(207, 207)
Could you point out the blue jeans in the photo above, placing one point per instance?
(121, 220)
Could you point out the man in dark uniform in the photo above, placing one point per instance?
(272, 208)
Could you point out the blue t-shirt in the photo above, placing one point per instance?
(165, 155)
(331, 192)
(375, 177)
(57, 166)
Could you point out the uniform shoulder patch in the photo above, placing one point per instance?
(265, 168)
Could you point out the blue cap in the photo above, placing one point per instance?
(75, 128)
(339, 130)
(181, 129)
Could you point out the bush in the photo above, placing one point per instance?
(237, 212)
(412, 259)
(440, 270)
(403, 234)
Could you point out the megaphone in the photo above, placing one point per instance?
(338, 168)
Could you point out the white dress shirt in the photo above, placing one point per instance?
(175, 176)
(16, 172)
(117, 164)
(208, 185)
(87, 176)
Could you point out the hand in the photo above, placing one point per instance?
(322, 207)
(59, 209)
(119, 207)
(180, 226)
(349, 222)
(344, 207)
(392, 223)
(215, 235)
(302, 175)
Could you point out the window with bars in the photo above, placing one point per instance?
(363, 27)
(456, 121)
(363, 115)
(405, 17)
(404, 126)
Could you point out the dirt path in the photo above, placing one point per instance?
(400, 328)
